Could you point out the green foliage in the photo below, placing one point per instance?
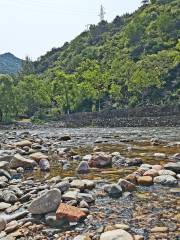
(135, 60)
(7, 107)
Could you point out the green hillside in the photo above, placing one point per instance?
(140, 51)
(9, 64)
(132, 61)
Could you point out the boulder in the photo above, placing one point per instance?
(52, 220)
(159, 155)
(175, 167)
(100, 160)
(62, 186)
(166, 180)
(175, 157)
(11, 226)
(44, 165)
(113, 190)
(4, 165)
(9, 196)
(151, 173)
(71, 213)
(4, 206)
(145, 166)
(167, 172)
(83, 167)
(38, 156)
(82, 237)
(47, 202)
(132, 178)
(2, 224)
(23, 143)
(157, 167)
(118, 234)
(159, 229)
(82, 184)
(86, 197)
(83, 204)
(20, 161)
(70, 195)
(65, 138)
(6, 155)
(126, 185)
(87, 158)
(145, 180)
(134, 162)
(4, 173)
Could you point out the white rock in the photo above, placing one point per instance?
(116, 235)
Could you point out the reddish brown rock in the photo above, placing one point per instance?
(72, 214)
(100, 160)
(126, 186)
(132, 178)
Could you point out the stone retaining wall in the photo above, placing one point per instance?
(137, 117)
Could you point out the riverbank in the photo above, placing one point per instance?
(150, 116)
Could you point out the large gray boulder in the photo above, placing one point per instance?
(166, 180)
(116, 235)
(20, 161)
(46, 203)
(175, 167)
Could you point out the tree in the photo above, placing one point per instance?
(6, 97)
(33, 94)
(122, 69)
(149, 74)
(94, 81)
(27, 67)
(145, 2)
(65, 91)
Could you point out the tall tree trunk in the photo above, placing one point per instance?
(1, 115)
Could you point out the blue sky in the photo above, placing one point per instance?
(32, 27)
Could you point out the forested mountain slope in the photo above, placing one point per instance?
(140, 51)
(132, 61)
(9, 64)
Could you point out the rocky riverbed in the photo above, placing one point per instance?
(90, 184)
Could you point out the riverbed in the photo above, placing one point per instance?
(142, 210)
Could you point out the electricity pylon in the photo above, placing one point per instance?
(102, 14)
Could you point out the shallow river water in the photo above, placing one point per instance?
(142, 210)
